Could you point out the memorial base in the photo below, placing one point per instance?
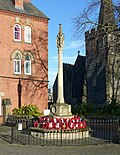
(61, 109)
(54, 134)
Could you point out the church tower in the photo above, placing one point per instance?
(99, 46)
(111, 46)
(106, 15)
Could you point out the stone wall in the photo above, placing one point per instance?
(113, 66)
(95, 68)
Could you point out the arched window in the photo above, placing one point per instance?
(17, 64)
(17, 32)
(27, 34)
(27, 65)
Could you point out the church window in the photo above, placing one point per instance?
(17, 64)
(27, 65)
(27, 34)
(17, 32)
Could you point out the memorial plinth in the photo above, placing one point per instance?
(57, 135)
(62, 110)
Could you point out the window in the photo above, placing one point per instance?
(17, 64)
(27, 34)
(17, 32)
(27, 65)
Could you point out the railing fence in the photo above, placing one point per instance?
(99, 131)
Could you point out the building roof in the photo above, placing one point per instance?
(29, 9)
(80, 60)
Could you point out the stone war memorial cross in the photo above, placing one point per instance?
(62, 121)
(60, 108)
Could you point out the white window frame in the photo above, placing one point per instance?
(15, 62)
(27, 34)
(15, 32)
(25, 69)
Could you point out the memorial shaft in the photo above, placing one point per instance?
(60, 45)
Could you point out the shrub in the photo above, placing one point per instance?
(111, 109)
(83, 109)
(31, 110)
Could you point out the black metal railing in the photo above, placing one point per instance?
(98, 131)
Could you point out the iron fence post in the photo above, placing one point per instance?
(12, 132)
(43, 138)
(61, 136)
(109, 130)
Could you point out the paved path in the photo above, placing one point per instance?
(12, 149)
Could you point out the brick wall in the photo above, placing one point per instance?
(32, 92)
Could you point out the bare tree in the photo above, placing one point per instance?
(88, 17)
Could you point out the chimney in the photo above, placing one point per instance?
(18, 4)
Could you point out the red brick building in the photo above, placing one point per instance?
(23, 54)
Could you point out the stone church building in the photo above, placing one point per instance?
(73, 76)
(23, 55)
(95, 78)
